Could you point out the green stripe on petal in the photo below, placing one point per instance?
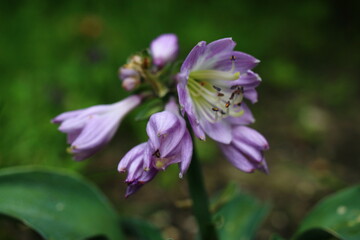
(204, 75)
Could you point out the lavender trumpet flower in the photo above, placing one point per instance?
(169, 143)
(89, 129)
(212, 83)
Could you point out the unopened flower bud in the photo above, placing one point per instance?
(130, 83)
(164, 49)
(125, 72)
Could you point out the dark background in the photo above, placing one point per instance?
(57, 56)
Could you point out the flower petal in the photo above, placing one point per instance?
(251, 94)
(193, 56)
(131, 156)
(237, 159)
(188, 107)
(217, 48)
(165, 131)
(250, 136)
(134, 186)
(245, 119)
(219, 131)
(241, 61)
(185, 153)
(66, 115)
(248, 79)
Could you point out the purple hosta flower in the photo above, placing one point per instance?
(212, 83)
(169, 143)
(164, 49)
(89, 129)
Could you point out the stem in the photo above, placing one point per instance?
(200, 200)
(159, 89)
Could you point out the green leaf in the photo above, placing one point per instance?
(239, 215)
(276, 237)
(140, 229)
(58, 205)
(148, 108)
(336, 216)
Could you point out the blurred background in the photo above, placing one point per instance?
(57, 56)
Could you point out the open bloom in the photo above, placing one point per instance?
(211, 86)
(89, 129)
(212, 83)
(169, 143)
(164, 49)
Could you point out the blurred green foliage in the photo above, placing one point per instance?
(57, 56)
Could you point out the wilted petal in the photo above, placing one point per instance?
(164, 49)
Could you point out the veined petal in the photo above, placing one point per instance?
(247, 150)
(188, 107)
(134, 186)
(66, 115)
(219, 131)
(251, 94)
(239, 60)
(134, 154)
(97, 132)
(219, 47)
(237, 159)
(250, 136)
(172, 107)
(185, 153)
(245, 119)
(193, 56)
(91, 128)
(165, 131)
(247, 80)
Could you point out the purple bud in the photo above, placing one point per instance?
(164, 49)
(130, 78)
(130, 83)
(127, 72)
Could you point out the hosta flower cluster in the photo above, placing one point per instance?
(207, 92)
